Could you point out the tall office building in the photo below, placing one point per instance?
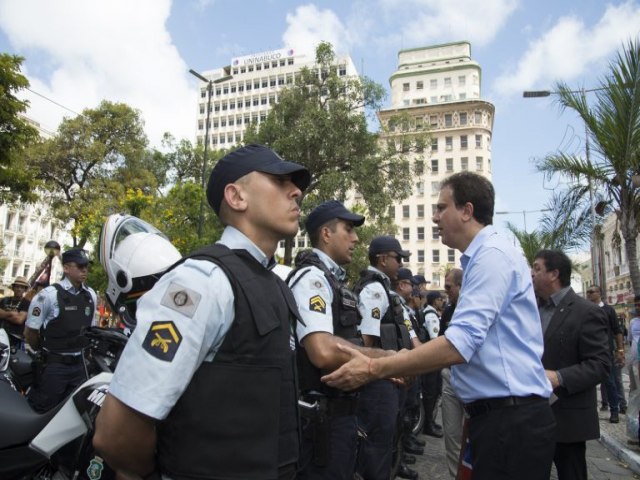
(247, 89)
(437, 89)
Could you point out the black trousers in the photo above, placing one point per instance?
(58, 381)
(515, 442)
(570, 461)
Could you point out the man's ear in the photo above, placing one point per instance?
(467, 211)
(235, 197)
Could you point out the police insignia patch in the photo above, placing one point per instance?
(375, 313)
(162, 340)
(94, 471)
(181, 299)
(36, 312)
(317, 304)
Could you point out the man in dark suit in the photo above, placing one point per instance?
(575, 358)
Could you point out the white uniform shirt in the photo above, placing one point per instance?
(181, 322)
(314, 296)
(406, 315)
(44, 306)
(373, 303)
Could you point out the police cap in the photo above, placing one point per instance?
(247, 159)
(76, 255)
(386, 243)
(328, 211)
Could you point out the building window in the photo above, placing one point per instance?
(405, 211)
(433, 121)
(433, 83)
(462, 96)
(478, 118)
(406, 236)
(448, 120)
(464, 163)
(265, 83)
(420, 233)
(223, 122)
(420, 211)
(463, 142)
(243, 70)
(272, 82)
(241, 88)
(435, 256)
(202, 109)
(231, 121)
(451, 255)
(290, 61)
(435, 188)
(478, 141)
(419, 85)
(462, 116)
(342, 70)
(447, 82)
(419, 167)
(263, 100)
(233, 89)
(434, 144)
(449, 165)
(462, 80)
(420, 188)
(420, 256)
(263, 116)
(405, 87)
(434, 165)
(448, 143)
(280, 80)
(232, 105)
(225, 90)
(479, 164)
(392, 211)
(256, 101)
(433, 99)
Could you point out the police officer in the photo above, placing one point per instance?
(13, 311)
(432, 381)
(330, 315)
(382, 326)
(57, 315)
(205, 387)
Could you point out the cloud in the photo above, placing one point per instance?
(308, 25)
(427, 22)
(570, 48)
(84, 52)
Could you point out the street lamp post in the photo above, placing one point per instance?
(205, 155)
(597, 261)
(524, 214)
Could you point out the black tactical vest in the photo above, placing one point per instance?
(63, 333)
(394, 334)
(346, 318)
(238, 417)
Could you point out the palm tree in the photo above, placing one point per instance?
(612, 127)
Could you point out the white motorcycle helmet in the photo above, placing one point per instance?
(134, 254)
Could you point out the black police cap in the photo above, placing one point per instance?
(76, 255)
(328, 211)
(247, 159)
(386, 243)
(405, 274)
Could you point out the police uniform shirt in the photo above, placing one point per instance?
(181, 322)
(373, 303)
(314, 296)
(44, 306)
(406, 315)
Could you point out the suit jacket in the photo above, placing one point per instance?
(576, 345)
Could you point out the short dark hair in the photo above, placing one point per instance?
(314, 237)
(456, 275)
(557, 260)
(468, 187)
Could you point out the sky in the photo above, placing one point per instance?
(80, 52)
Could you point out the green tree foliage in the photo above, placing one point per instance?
(16, 180)
(320, 122)
(88, 166)
(613, 129)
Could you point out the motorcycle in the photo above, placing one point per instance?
(57, 445)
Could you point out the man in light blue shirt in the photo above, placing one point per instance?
(494, 341)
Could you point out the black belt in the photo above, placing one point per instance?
(334, 406)
(65, 359)
(487, 404)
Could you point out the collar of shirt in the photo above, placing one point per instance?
(235, 239)
(557, 297)
(601, 304)
(339, 272)
(475, 244)
(387, 280)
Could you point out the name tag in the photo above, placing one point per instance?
(70, 308)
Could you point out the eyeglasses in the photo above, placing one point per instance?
(397, 258)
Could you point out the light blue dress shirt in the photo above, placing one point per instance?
(496, 325)
(152, 386)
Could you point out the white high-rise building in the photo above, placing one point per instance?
(250, 87)
(437, 89)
